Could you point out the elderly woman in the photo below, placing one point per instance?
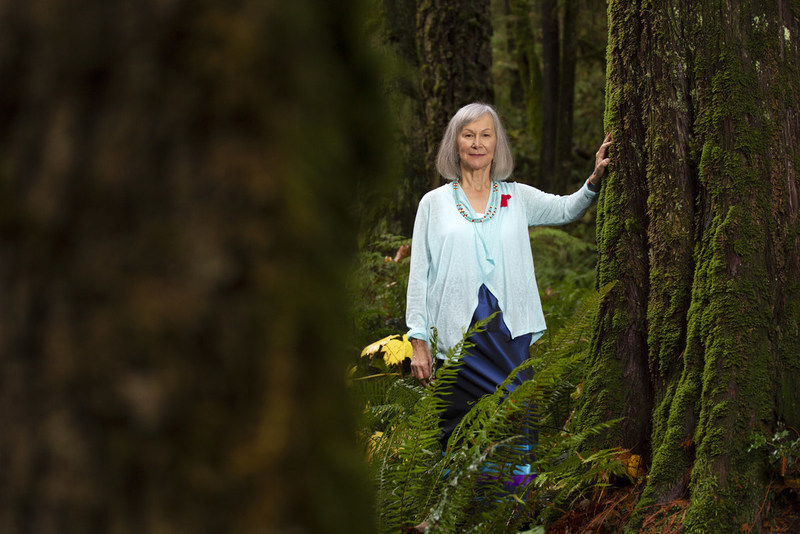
(471, 257)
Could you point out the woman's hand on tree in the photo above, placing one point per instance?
(601, 161)
(421, 361)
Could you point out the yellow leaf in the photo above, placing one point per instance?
(391, 349)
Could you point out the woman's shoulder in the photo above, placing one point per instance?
(438, 194)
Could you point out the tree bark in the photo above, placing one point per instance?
(566, 97)
(672, 170)
(530, 70)
(550, 91)
(619, 382)
(454, 40)
(176, 219)
(698, 223)
(400, 35)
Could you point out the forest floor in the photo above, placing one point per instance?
(610, 510)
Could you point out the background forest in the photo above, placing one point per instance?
(693, 226)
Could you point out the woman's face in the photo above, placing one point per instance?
(476, 143)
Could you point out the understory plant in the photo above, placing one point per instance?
(782, 449)
(378, 289)
(465, 487)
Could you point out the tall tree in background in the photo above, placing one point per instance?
(397, 19)
(551, 87)
(441, 56)
(698, 223)
(454, 43)
(566, 95)
(528, 67)
(558, 22)
(545, 33)
(175, 221)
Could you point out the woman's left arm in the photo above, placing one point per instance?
(545, 209)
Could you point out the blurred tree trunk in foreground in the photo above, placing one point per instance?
(177, 211)
(454, 42)
(698, 223)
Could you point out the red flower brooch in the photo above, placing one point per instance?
(504, 200)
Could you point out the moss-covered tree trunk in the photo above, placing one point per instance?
(175, 220)
(619, 382)
(454, 42)
(698, 223)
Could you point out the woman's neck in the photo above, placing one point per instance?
(475, 180)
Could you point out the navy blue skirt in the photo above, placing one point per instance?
(485, 365)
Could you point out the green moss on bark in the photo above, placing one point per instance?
(721, 130)
(618, 385)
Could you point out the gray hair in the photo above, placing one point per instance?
(447, 160)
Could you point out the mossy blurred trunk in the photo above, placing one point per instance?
(529, 66)
(455, 53)
(398, 21)
(698, 222)
(176, 218)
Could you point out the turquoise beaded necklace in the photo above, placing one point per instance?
(490, 212)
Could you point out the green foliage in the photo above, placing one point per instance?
(378, 290)
(783, 447)
(565, 273)
(463, 487)
(562, 257)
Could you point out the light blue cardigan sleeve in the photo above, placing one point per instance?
(417, 296)
(545, 209)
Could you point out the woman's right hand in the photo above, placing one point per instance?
(421, 361)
